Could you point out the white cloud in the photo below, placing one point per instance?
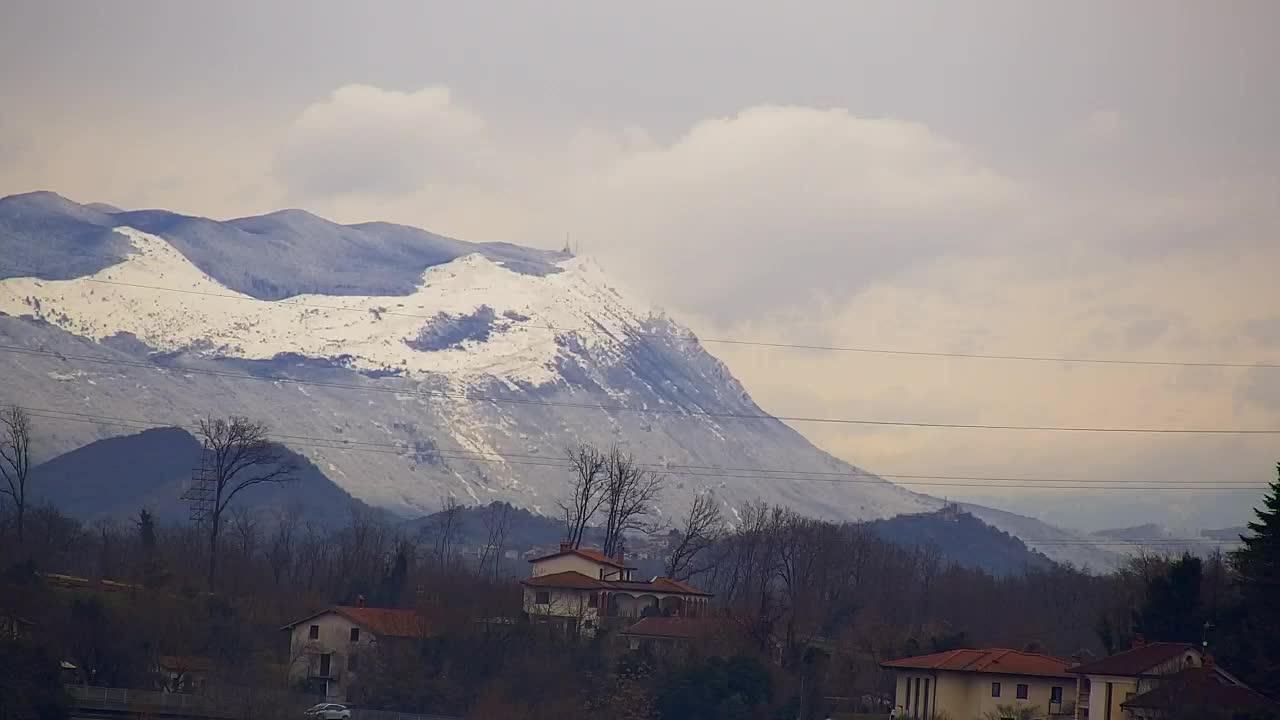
(842, 198)
(367, 140)
(847, 198)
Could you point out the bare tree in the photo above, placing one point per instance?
(15, 460)
(703, 526)
(629, 494)
(497, 520)
(245, 538)
(280, 552)
(589, 466)
(444, 528)
(241, 457)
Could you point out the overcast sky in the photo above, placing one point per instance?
(1093, 179)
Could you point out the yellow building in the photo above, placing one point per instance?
(1149, 679)
(975, 684)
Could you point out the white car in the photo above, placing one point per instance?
(328, 711)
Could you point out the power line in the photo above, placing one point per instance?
(643, 411)
(728, 341)
(675, 468)
(403, 449)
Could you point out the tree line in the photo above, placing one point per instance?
(788, 588)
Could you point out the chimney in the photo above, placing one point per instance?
(618, 555)
(565, 547)
(1138, 642)
(359, 601)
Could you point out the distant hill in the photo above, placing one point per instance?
(962, 539)
(525, 529)
(1152, 539)
(113, 478)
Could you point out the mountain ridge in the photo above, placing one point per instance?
(545, 334)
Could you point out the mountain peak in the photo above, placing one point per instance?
(453, 367)
(300, 221)
(44, 200)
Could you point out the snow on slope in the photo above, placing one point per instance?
(512, 311)
(470, 322)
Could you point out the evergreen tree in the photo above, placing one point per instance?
(1171, 611)
(153, 574)
(391, 586)
(146, 523)
(1257, 564)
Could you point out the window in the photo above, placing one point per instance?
(1022, 691)
(353, 663)
(926, 699)
(542, 597)
(1055, 695)
(355, 634)
(325, 661)
(995, 689)
(593, 600)
(314, 633)
(916, 702)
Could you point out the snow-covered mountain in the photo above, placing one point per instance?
(408, 367)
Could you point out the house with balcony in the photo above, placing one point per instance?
(328, 650)
(1151, 679)
(578, 589)
(993, 682)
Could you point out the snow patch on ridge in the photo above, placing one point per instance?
(470, 319)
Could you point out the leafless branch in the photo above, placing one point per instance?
(242, 456)
(703, 526)
(629, 496)
(15, 460)
(588, 494)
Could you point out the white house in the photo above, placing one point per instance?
(577, 588)
(329, 650)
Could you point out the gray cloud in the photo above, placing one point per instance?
(1002, 177)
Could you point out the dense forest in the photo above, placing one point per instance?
(110, 597)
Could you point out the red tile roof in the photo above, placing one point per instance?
(1203, 688)
(386, 622)
(1137, 661)
(383, 622)
(568, 579)
(575, 580)
(593, 555)
(992, 660)
(658, 584)
(674, 627)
